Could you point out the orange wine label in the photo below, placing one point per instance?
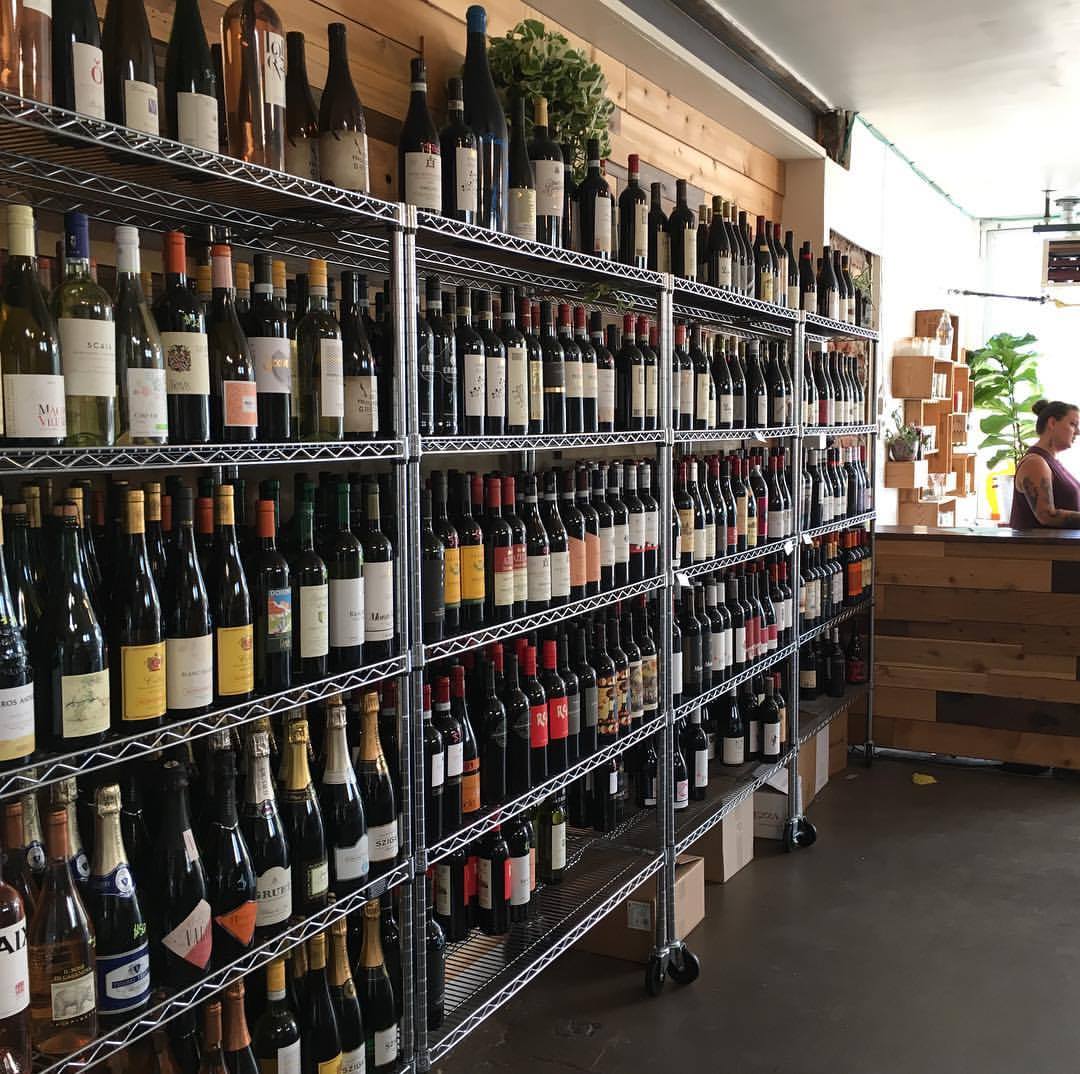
(240, 922)
(470, 787)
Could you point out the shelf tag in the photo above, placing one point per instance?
(789, 547)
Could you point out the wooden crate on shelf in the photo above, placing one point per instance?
(962, 388)
(912, 376)
(958, 428)
(926, 324)
(964, 468)
(906, 475)
(926, 512)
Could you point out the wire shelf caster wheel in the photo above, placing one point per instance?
(684, 967)
(654, 975)
(868, 755)
(799, 833)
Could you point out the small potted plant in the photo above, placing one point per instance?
(905, 441)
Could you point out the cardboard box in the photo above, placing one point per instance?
(729, 846)
(820, 743)
(771, 805)
(629, 931)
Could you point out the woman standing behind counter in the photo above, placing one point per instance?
(1047, 495)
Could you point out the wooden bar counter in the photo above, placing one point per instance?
(977, 644)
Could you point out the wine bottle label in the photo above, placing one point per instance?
(663, 252)
(278, 620)
(273, 69)
(423, 180)
(607, 712)
(686, 391)
(34, 406)
(483, 883)
(651, 391)
(605, 395)
(590, 701)
(330, 1066)
(241, 407)
(318, 879)
(650, 683)
(361, 405)
(141, 107)
(438, 770)
(732, 750)
(770, 739)
(589, 384)
(637, 391)
(636, 532)
(302, 157)
(386, 1046)
(352, 862)
(452, 590)
(641, 230)
(689, 244)
(521, 203)
(347, 619)
(273, 896)
(197, 120)
(142, 681)
(89, 350)
(123, 979)
(755, 736)
(354, 1062)
(145, 396)
(704, 384)
(470, 786)
(472, 573)
(442, 890)
(574, 380)
(607, 546)
(558, 845)
(465, 166)
(520, 885)
(273, 368)
(16, 730)
(383, 840)
(676, 674)
(495, 367)
(601, 225)
(235, 660)
(722, 269)
(14, 969)
(343, 159)
(622, 542)
(503, 562)
(187, 363)
(637, 690)
(701, 768)
(189, 672)
(455, 760)
(682, 793)
(549, 187)
(88, 76)
(592, 557)
(84, 701)
(331, 384)
(558, 718)
(288, 1060)
(578, 563)
(378, 601)
(314, 621)
(72, 996)
(473, 386)
(191, 939)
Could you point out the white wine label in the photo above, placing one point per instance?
(652, 528)
(575, 382)
(147, 414)
(495, 375)
(442, 890)
(725, 406)
(88, 350)
(378, 601)
(197, 120)
(34, 406)
(288, 1059)
(483, 882)
(423, 181)
(141, 106)
(318, 878)
(273, 896)
(386, 1046)
(314, 621)
(123, 980)
(549, 187)
(361, 404)
(834, 305)
(686, 390)
(701, 408)
(588, 380)
(651, 391)
(343, 160)
(689, 266)
(522, 213)
(351, 863)
(722, 268)
(636, 526)
(273, 367)
(187, 363)
(438, 770)
(16, 727)
(641, 229)
(536, 391)
(354, 1062)
(622, 543)
(189, 672)
(42, 6)
(191, 938)
(475, 393)
(14, 969)
(793, 296)
(755, 736)
(455, 759)
(607, 546)
(605, 394)
(346, 612)
(682, 793)
(84, 701)
(274, 69)
(302, 158)
(601, 225)
(520, 880)
(539, 574)
(517, 388)
(637, 391)
(770, 735)
(465, 161)
(701, 768)
(663, 252)
(73, 997)
(88, 75)
(331, 383)
(558, 845)
(383, 841)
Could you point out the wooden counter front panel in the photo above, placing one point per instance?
(977, 650)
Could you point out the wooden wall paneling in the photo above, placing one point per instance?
(914, 704)
(885, 550)
(1039, 638)
(923, 603)
(1033, 687)
(1008, 713)
(979, 656)
(985, 574)
(1066, 551)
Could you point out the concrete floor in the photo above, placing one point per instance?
(930, 929)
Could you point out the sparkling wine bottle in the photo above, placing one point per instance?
(347, 841)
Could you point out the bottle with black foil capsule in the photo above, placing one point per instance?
(379, 633)
(272, 602)
(121, 947)
(634, 219)
(419, 156)
(521, 191)
(548, 175)
(343, 142)
(303, 823)
(377, 793)
(320, 1038)
(470, 750)
(377, 999)
(343, 809)
(345, 1002)
(492, 728)
(484, 115)
(344, 556)
(554, 373)
(682, 235)
(449, 727)
(459, 159)
(261, 826)
(595, 203)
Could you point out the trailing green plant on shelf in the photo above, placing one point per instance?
(543, 63)
(904, 441)
(1005, 383)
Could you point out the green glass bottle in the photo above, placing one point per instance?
(319, 354)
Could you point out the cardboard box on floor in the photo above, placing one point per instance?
(770, 802)
(838, 745)
(629, 931)
(729, 846)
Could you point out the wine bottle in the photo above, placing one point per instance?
(234, 408)
(191, 86)
(277, 1032)
(359, 364)
(320, 1039)
(659, 255)
(546, 159)
(320, 357)
(595, 207)
(435, 940)
(84, 318)
(551, 853)
(448, 535)
(14, 968)
(483, 114)
(377, 792)
(238, 1053)
(77, 66)
(272, 598)
(634, 219)
(345, 565)
(377, 999)
(311, 644)
(554, 419)
(213, 1054)
(303, 823)
(65, 795)
(419, 152)
(60, 942)
(458, 150)
(343, 143)
(266, 326)
(16, 680)
(432, 574)
(682, 235)
(379, 623)
(232, 610)
(128, 65)
(17, 873)
(521, 191)
(343, 810)
(301, 119)
(346, 1003)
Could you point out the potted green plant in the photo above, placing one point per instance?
(905, 441)
(545, 64)
(1005, 383)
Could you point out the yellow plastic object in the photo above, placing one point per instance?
(921, 779)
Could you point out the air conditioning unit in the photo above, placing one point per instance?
(1061, 262)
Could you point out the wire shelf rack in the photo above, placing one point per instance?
(454, 445)
(438, 650)
(720, 563)
(839, 430)
(717, 691)
(840, 524)
(818, 327)
(704, 436)
(40, 773)
(843, 616)
(729, 304)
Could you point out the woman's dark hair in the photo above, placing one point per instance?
(1044, 410)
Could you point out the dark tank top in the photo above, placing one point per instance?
(1066, 494)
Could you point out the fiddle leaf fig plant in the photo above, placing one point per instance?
(1004, 385)
(542, 63)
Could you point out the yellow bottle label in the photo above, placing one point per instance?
(331, 1066)
(142, 681)
(472, 572)
(235, 660)
(452, 582)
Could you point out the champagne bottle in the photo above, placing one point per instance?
(239, 1054)
(14, 967)
(234, 408)
(277, 1033)
(346, 1003)
(63, 1012)
(484, 115)
(65, 795)
(233, 629)
(128, 64)
(320, 1040)
(84, 318)
(34, 406)
(16, 867)
(303, 822)
(376, 996)
(77, 63)
(343, 143)
(301, 119)
(16, 681)
(271, 594)
(377, 792)
(184, 341)
(213, 1056)
(419, 153)
(121, 948)
(266, 326)
(343, 810)
(191, 89)
(319, 357)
